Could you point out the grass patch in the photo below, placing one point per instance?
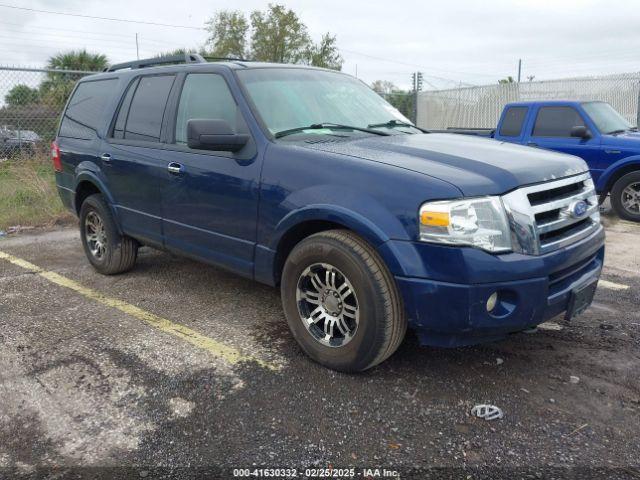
(28, 194)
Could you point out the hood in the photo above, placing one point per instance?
(477, 166)
(627, 139)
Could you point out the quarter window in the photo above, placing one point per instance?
(146, 112)
(85, 111)
(204, 96)
(512, 121)
(556, 122)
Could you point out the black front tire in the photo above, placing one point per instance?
(118, 253)
(382, 323)
(618, 192)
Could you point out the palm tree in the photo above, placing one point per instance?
(57, 86)
(78, 60)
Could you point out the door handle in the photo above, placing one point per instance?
(105, 157)
(174, 168)
(532, 144)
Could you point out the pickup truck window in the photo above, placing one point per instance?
(288, 98)
(556, 122)
(85, 111)
(205, 96)
(605, 117)
(144, 120)
(512, 121)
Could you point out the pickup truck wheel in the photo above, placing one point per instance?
(625, 197)
(341, 302)
(107, 250)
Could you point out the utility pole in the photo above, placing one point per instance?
(519, 68)
(416, 79)
(137, 48)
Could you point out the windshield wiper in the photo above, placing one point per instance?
(615, 132)
(393, 124)
(331, 126)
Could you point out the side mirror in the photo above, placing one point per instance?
(580, 131)
(214, 134)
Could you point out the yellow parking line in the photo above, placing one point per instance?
(612, 285)
(214, 347)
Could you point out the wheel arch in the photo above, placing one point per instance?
(310, 220)
(616, 171)
(87, 183)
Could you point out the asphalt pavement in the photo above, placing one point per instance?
(182, 369)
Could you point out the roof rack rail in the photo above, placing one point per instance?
(227, 59)
(152, 62)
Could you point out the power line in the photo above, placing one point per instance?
(110, 19)
(40, 30)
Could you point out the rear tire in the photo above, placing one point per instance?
(107, 250)
(625, 196)
(335, 282)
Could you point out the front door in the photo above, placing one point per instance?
(552, 131)
(211, 202)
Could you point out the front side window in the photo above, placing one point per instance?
(86, 108)
(204, 96)
(289, 98)
(512, 121)
(556, 122)
(146, 112)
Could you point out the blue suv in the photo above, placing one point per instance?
(306, 179)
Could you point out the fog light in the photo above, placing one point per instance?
(492, 301)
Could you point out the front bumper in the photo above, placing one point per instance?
(449, 308)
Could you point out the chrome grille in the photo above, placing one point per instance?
(547, 216)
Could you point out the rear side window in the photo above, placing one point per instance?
(204, 96)
(146, 110)
(556, 121)
(85, 112)
(512, 121)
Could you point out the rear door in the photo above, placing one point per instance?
(552, 130)
(132, 160)
(211, 206)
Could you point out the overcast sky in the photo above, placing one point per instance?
(452, 42)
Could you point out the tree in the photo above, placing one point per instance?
(21, 95)
(402, 100)
(227, 34)
(325, 54)
(58, 85)
(278, 35)
(384, 87)
(509, 79)
(78, 60)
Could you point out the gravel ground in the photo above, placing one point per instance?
(88, 390)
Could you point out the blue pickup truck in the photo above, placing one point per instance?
(593, 131)
(306, 179)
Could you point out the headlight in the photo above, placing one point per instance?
(477, 222)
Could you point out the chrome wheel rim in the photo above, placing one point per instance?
(96, 235)
(631, 198)
(327, 305)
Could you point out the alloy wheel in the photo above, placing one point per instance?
(327, 305)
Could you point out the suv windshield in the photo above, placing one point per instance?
(291, 98)
(606, 118)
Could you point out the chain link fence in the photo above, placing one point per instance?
(480, 107)
(31, 101)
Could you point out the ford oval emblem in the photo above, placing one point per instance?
(578, 208)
